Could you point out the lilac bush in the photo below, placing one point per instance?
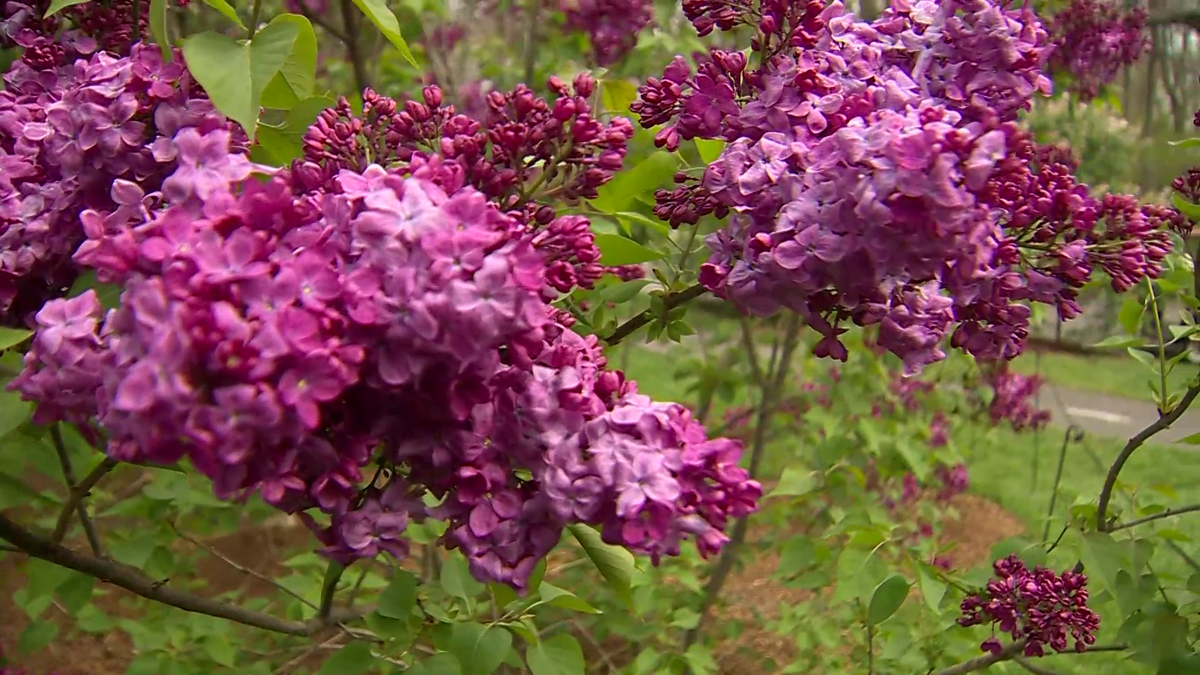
(1094, 40)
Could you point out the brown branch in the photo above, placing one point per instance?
(985, 661)
(136, 582)
(1162, 423)
(670, 302)
(1157, 516)
(353, 49)
(79, 492)
(1035, 669)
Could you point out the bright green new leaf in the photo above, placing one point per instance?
(620, 193)
(294, 81)
(557, 655)
(795, 482)
(1194, 439)
(303, 114)
(234, 74)
(226, 10)
(59, 5)
(438, 664)
(553, 595)
(11, 337)
(480, 649)
(277, 146)
(398, 599)
(710, 150)
(1130, 314)
(617, 95)
(887, 599)
(932, 588)
(457, 580)
(858, 572)
(1192, 211)
(614, 562)
(158, 28)
(617, 250)
(383, 18)
(353, 659)
(13, 412)
(1120, 342)
(1185, 143)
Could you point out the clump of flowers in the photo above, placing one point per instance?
(871, 174)
(74, 118)
(283, 339)
(497, 156)
(1013, 398)
(1037, 607)
(1094, 40)
(611, 25)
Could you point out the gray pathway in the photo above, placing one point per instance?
(1112, 416)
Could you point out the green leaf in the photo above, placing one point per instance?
(614, 563)
(37, 636)
(44, 577)
(620, 193)
(558, 597)
(158, 28)
(795, 482)
(383, 18)
(1120, 342)
(221, 651)
(709, 150)
(438, 664)
(932, 588)
(617, 250)
(59, 5)
(294, 81)
(11, 337)
(13, 412)
(235, 74)
(797, 554)
(353, 659)
(76, 592)
(1186, 143)
(109, 295)
(858, 572)
(887, 599)
(1193, 583)
(557, 655)
(1194, 439)
(227, 11)
(1192, 211)
(457, 580)
(480, 649)
(398, 599)
(1130, 314)
(617, 95)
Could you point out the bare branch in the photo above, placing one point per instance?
(239, 567)
(985, 661)
(64, 460)
(1163, 422)
(79, 492)
(1157, 516)
(136, 582)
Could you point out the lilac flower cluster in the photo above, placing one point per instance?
(874, 174)
(283, 338)
(1012, 400)
(576, 152)
(611, 25)
(1038, 608)
(69, 128)
(1094, 40)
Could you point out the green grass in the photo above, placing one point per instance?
(1117, 375)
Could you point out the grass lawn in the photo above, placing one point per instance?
(1118, 375)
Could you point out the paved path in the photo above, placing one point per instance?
(1111, 416)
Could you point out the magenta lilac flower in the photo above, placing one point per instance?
(611, 25)
(283, 340)
(1037, 608)
(1094, 40)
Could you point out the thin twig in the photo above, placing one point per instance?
(671, 301)
(239, 567)
(1072, 430)
(1163, 422)
(600, 650)
(1183, 554)
(986, 661)
(529, 55)
(354, 50)
(1035, 669)
(1165, 514)
(79, 492)
(64, 460)
(1058, 541)
(295, 663)
(362, 576)
(136, 582)
(750, 351)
